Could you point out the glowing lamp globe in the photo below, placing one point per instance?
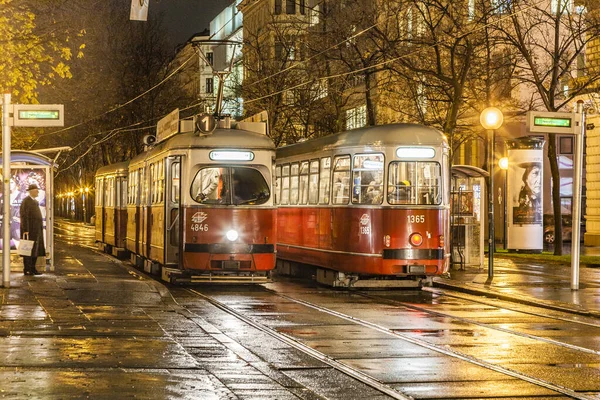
(503, 163)
(491, 118)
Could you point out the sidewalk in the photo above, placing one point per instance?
(547, 285)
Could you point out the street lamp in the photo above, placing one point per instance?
(503, 164)
(491, 119)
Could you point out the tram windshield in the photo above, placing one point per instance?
(414, 183)
(230, 186)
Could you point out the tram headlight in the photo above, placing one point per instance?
(232, 235)
(416, 239)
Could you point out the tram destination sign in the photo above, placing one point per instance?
(38, 115)
(553, 122)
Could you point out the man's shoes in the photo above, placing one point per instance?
(27, 273)
(34, 272)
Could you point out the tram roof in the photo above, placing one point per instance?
(382, 135)
(116, 168)
(219, 139)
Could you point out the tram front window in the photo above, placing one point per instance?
(414, 183)
(230, 186)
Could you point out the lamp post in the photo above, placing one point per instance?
(491, 119)
(83, 193)
(503, 164)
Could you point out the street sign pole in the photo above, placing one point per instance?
(26, 115)
(568, 124)
(576, 215)
(6, 132)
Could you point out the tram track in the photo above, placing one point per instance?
(371, 381)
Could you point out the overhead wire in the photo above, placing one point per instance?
(113, 132)
(353, 72)
(117, 107)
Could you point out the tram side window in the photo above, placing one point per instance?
(414, 183)
(175, 185)
(161, 181)
(341, 180)
(124, 192)
(285, 186)
(294, 183)
(313, 183)
(277, 184)
(367, 174)
(134, 189)
(144, 184)
(304, 183)
(109, 192)
(324, 180)
(99, 192)
(153, 183)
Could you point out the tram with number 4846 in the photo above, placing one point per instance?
(365, 208)
(194, 207)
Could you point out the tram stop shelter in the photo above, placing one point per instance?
(26, 168)
(468, 197)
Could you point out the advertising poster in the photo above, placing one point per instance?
(525, 199)
(19, 182)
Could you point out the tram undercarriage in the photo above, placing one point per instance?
(350, 280)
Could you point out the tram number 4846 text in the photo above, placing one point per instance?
(199, 227)
(415, 219)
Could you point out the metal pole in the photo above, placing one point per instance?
(576, 215)
(492, 150)
(6, 109)
(505, 208)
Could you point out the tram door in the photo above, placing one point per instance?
(100, 218)
(144, 214)
(172, 204)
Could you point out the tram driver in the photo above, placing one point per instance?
(210, 178)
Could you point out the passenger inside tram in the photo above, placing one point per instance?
(375, 189)
(399, 194)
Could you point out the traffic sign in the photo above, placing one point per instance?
(206, 123)
(553, 122)
(38, 115)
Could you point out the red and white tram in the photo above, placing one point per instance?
(367, 207)
(199, 207)
(110, 207)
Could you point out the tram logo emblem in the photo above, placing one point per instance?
(199, 217)
(365, 220)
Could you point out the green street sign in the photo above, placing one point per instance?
(38, 115)
(556, 122)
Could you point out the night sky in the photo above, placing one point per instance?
(183, 18)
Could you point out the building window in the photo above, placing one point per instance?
(290, 7)
(210, 58)
(278, 7)
(356, 117)
(501, 6)
(303, 7)
(561, 6)
(210, 85)
(471, 10)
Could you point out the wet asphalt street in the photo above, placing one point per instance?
(98, 328)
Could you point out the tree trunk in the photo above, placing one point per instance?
(558, 242)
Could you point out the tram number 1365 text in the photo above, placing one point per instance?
(199, 227)
(415, 219)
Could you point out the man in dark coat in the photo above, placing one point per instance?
(32, 228)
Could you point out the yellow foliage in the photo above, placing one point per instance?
(28, 60)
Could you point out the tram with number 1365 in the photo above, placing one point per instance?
(367, 207)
